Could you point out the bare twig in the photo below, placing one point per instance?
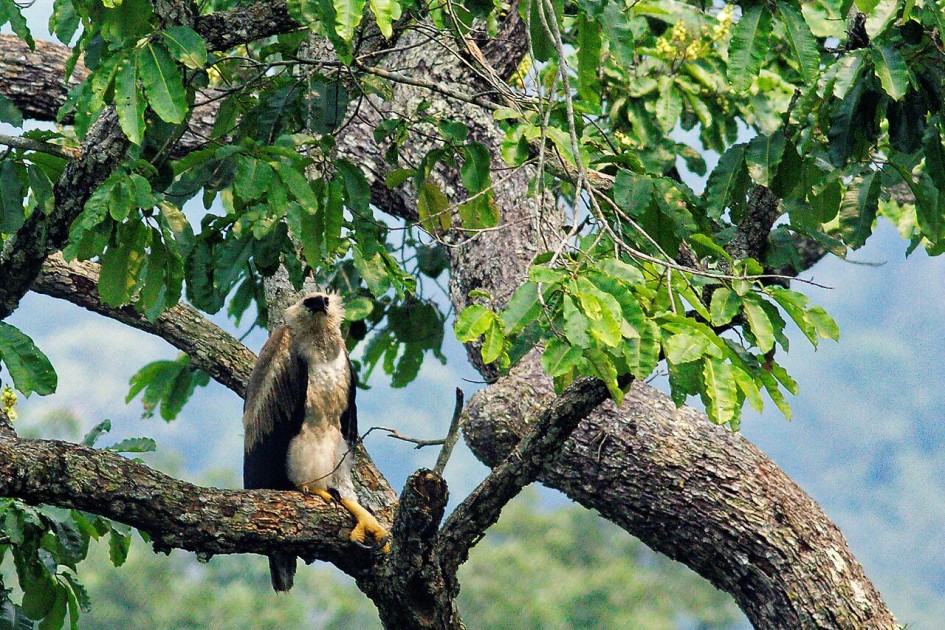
(451, 436)
(394, 433)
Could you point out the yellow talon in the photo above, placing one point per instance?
(367, 525)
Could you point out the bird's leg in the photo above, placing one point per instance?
(323, 494)
(367, 524)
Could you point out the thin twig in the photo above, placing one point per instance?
(394, 433)
(452, 436)
(28, 144)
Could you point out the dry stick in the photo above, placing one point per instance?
(452, 436)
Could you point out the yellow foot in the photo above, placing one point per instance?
(367, 526)
(322, 493)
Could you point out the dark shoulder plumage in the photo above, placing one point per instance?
(349, 417)
(273, 411)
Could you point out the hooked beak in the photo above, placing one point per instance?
(317, 304)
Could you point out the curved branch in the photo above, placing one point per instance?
(522, 465)
(211, 348)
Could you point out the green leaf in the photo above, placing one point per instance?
(620, 270)
(357, 190)
(604, 325)
(761, 326)
(891, 70)
(494, 342)
(296, 183)
(560, 357)
(749, 46)
(480, 211)
(588, 60)
(9, 113)
(398, 176)
(118, 546)
(824, 323)
(39, 596)
(858, 209)
(632, 192)
(186, 46)
(133, 445)
(122, 263)
(849, 67)
(601, 366)
(763, 157)
(386, 12)
(669, 104)
(453, 130)
(523, 308)
(795, 305)
(326, 106)
(12, 617)
(749, 388)
(347, 17)
(685, 347)
(358, 308)
(432, 207)
(253, 177)
(64, 21)
(10, 12)
(96, 432)
(162, 83)
(473, 322)
(721, 396)
(29, 368)
(802, 43)
(546, 275)
(724, 306)
(575, 324)
(617, 27)
(542, 45)
(128, 102)
(728, 182)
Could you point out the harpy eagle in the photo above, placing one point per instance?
(300, 418)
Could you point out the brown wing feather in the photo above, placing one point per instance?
(273, 412)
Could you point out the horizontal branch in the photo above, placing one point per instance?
(176, 514)
(211, 348)
(29, 144)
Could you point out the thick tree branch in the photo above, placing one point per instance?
(174, 513)
(211, 348)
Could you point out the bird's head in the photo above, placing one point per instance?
(319, 311)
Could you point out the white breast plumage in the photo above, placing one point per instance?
(314, 454)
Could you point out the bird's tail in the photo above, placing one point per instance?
(282, 571)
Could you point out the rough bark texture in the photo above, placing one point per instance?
(176, 514)
(35, 80)
(211, 348)
(684, 486)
